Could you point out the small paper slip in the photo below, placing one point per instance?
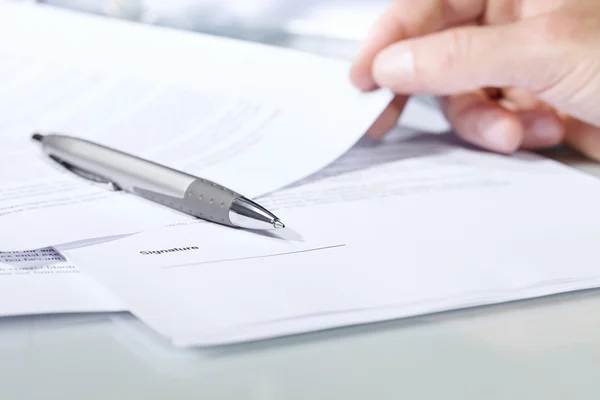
(409, 226)
(41, 281)
(241, 114)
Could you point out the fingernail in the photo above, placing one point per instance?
(498, 133)
(394, 66)
(364, 83)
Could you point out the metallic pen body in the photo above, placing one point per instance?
(186, 193)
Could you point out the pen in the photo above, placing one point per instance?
(186, 193)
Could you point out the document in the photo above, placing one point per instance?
(42, 281)
(425, 225)
(251, 117)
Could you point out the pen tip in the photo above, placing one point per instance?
(37, 137)
(278, 224)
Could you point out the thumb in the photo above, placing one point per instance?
(469, 58)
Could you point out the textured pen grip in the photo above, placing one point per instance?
(203, 199)
(209, 201)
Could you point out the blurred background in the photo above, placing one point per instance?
(328, 27)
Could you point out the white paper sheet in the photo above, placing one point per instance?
(428, 226)
(250, 117)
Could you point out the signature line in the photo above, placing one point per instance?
(255, 257)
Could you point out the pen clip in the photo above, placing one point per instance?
(88, 176)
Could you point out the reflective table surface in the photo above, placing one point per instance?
(541, 349)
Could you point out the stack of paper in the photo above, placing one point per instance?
(242, 114)
(414, 224)
(423, 225)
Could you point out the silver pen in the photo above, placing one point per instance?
(186, 193)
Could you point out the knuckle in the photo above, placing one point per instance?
(456, 51)
(555, 29)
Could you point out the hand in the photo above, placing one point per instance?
(509, 74)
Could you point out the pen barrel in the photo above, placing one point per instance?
(128, 172)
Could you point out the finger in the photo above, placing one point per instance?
(483, 122)
(465, 59)
(404, 19)
(543, 128)
(388, 118)
(583, 138)
(521, 99)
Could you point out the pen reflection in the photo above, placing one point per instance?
(281, 234)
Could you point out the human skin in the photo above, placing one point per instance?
(509, 74)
